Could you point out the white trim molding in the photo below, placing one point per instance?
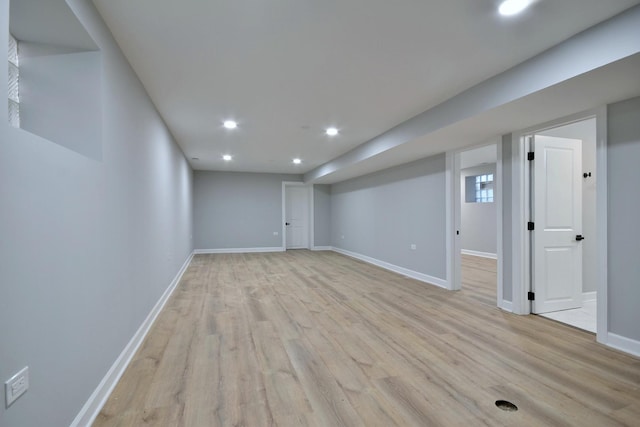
(478, 253)
(452, 221)
(237, 250)
(589, 296)
(98, 398)
(519, 217)
(506, 306)
(442, 283)
(625, 344)
(500, 221)
(602, 233)
(322, 248)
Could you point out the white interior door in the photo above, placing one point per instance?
(297, 217)
(557, 214)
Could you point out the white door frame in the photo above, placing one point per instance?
(310, 219)
(453, 208)
(521, 208)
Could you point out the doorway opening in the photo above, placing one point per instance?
(297, 216)
(478, 222)
(474, 206)
(563, 242)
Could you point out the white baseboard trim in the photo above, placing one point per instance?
(396, 269)
(478, 253)
(98, 398)
(589, 296)
(237, 250)
(625, 344)
(507, 306)
(322, 248)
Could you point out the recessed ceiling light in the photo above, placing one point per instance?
(297, 161)
(513, 7)
(230, 124)
(226, 157)
(332, 131)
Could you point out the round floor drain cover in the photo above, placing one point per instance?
(506, 406)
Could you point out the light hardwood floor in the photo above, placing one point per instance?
(320, 339)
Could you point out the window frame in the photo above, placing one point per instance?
(13, 83)
(484, 191)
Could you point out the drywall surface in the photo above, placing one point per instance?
(507, 222)
(600, 45)
(381, 215)
(89, 243)
(237, 210)
(478, 221)
(322, 215)
(586, 131)
(623, 205)
(61, 99)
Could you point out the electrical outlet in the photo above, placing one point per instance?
(413, 246)
(16, 386)
(275, 233)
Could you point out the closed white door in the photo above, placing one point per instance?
(297, 217)
(557, 215)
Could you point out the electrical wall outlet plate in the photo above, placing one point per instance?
(16, 386)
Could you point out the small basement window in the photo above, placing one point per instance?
(14, 83)
(55, 76)
(479, 188)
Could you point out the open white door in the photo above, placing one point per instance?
(557, 214)
(297, 216)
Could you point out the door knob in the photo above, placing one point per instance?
(579, 237)
(287, 223)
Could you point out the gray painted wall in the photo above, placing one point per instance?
(88, 246)
(61, 97)
(622, 217)
(237, 209)
(382, 214)
(478, 221)
(322, 214)
(585, 131)
(507, 223)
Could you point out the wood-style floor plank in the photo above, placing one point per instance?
(319, 339)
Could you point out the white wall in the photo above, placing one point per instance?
(382, 214)
(238, 210)
(88, 245)
(586, 131)
(478, 221)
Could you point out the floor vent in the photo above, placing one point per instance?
(506, 406)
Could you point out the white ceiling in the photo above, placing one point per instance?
(286, 69)
(608, 84)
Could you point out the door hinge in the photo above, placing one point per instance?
(530, 155)
(531, 296)
(530, 226)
